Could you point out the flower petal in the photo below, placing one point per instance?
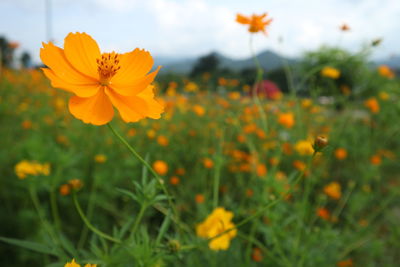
(131, 87)
(134, 108)
(155, 108)
(96, 110)
(134, 65)
(82, 51)
(54, 57)
(242, 19)
(81, 90)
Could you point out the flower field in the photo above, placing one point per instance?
(130, 170)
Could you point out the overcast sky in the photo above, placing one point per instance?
(182, 28)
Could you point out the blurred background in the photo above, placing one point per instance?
(179, 31)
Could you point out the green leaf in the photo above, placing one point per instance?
(30, 245)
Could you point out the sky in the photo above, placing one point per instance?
(189, 28)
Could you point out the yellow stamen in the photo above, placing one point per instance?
(107, 67)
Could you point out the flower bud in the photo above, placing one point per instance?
(319, 143)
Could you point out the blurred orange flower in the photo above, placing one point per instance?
(323, 213)
(372, 104)
(174, 180)
(333, 190)
(257, 255)
(102, 80)
(208, 163)
(340, 153)
(257, 23)
(199, 198)
(375, 160)
(345, 263)
(160, 167)
(286, 119)
(344, 27)
(385, 71)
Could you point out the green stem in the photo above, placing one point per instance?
(217, 174)
(88, 224)
(267, 206)
(158, 178)
(36, 204)
(138, 218)
(54, 208)
(259, 78)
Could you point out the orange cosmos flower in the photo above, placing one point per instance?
(340, 153)
(333, 190)
(286, 119)
(372, 104)
(344, 27)
(199, 198)
(102, 80)
(385, 71)
(257, 23)
(323, 213)
(160, 167)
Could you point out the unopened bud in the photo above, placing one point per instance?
(174, 245)
(319, 143)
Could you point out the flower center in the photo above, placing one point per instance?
(107, 66)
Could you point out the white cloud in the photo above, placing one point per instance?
(195, 27)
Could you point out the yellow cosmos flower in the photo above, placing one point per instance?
(25, 168)
(74, 264)
(257, 23)
(304, 147)
(217, 222)
(102, 80)
(100, 158)
(330, 72)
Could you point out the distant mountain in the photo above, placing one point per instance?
(268, 60)
(393, 62)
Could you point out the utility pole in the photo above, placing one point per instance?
(48, 21)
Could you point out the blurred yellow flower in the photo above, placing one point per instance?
(25, 168)
(383, 95)
(74, 264)
(216, 223)
(304, 147)
(100, 158)
(191, 87)
(330, 72)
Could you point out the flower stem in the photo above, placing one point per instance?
(147, 165)
(88, 224)
(138, 218)
(267, 206)
(259, 78)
